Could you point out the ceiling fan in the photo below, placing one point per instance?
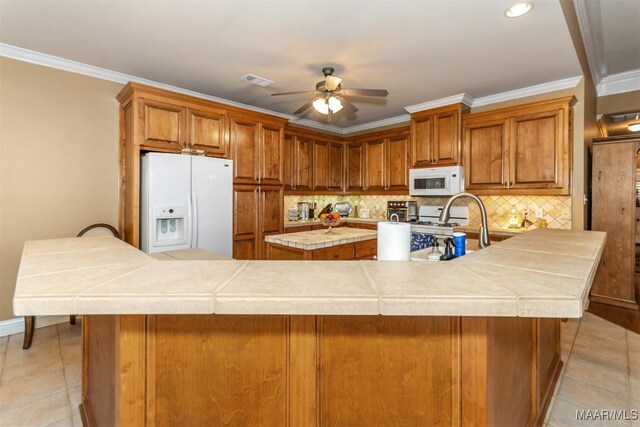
(330, 97)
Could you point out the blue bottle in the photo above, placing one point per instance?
(460, 241)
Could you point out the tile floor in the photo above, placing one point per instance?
(41, 386)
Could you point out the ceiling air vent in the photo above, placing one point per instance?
(256, 80)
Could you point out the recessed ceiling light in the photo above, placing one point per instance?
(518, 9)
(634, 127)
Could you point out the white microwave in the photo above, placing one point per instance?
(442, 181)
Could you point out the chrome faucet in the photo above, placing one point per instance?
(484, 228)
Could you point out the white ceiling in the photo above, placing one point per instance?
(611, 34)
(418, 50)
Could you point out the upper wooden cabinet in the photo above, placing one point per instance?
(206, 130)
(354, 166)
(520, 150)
(257, 150)
(336, 166)
(386, 164)
(435, 137)
(171, 127)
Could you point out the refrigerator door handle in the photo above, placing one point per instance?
(194, 201)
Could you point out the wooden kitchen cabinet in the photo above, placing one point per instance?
(386, 162)
(320, 165)
(258, 212)
(520, 150)
(398, 162)
(303, 149)
(153, 119)
(336, 166)
(257, 150)
(435, 136)
(288, 158)
(375, 164)
(354, 166)
(206, 130)
(162, 125)
(614, 182)
(172, 127)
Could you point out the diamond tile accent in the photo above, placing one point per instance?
(498, 207)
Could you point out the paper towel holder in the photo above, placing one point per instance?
(397, 218)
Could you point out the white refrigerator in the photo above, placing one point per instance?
(186, 202)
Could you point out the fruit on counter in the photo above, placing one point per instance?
(331, 217)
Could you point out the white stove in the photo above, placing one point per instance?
(428, 228)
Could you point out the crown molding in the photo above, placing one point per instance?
(571, 82)
(589, 36)
(43, 59)
(619, 83)
(454, 99)
(315, 125)
(405, 118)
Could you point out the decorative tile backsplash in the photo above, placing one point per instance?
(557, 209)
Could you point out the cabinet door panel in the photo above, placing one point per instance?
(398, 162)
(336, 154)
(271, 154)
(486, 155)
(374, 165)
(537, 151)
(206, 131)
(244, 141)
(355, 163)
(446, 138)
(320, 165)
(422, 134)
(270, 216)
(288, 166)
(245, 224)
(303, 163)
(163, 124)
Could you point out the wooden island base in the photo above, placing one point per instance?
(178, 370)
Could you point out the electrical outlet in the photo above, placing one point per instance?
(565, 214)
(539, 213)
(525, 211)
(376, 207)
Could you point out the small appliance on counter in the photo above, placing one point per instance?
(307, 210)
(441, 181)
(344, 208)
(406, 210)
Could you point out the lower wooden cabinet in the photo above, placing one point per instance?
(362, 250)
(257, 212)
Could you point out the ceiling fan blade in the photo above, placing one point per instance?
(347, 104)
(332, 82)
(365, 92)
(293, 93)
(305, 107)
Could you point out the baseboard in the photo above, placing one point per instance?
(16, 326)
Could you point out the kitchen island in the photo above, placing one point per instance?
(474, 341)
(341, 244)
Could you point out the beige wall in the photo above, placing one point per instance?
(58, 159)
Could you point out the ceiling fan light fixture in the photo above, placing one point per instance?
(335, 104)
(518, 9)
(634, 127)
(321, 106)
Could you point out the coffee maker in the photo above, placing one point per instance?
(307, 210)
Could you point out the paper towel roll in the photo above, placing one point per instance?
(394, 241)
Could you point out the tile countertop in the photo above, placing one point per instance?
(315, 221)
(542, 273)
(493, 230)
(316, 239)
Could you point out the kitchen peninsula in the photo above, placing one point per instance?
(474, 341)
